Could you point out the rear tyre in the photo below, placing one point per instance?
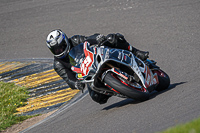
(119, 85)
(164, 80)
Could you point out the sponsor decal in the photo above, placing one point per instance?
(99, 36)
(125, 57)
(107, 54)
(119, 56)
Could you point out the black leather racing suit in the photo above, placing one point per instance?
(63, 66)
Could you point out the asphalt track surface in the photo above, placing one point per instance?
(169, 30)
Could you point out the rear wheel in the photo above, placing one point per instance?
(131, 89)
(164, 80)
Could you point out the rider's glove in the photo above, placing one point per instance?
(100, 38)
(79, 85)
(115, 38)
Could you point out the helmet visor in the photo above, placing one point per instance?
(59, 48)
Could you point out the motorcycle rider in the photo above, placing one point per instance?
(60, 45)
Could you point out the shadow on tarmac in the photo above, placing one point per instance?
(132, 101)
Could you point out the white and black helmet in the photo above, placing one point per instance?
(58, 43)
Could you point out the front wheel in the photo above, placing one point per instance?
(126, 87)
(164, 80)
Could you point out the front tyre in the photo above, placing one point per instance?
(125, 88)
(164, 80)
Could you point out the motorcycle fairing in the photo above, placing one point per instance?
(117, 55)
(150, 78)
(84, 68)
(123, 56)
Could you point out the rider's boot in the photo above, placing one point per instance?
(143, 55)
(98, 97)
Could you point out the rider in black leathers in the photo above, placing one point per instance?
(60, 45)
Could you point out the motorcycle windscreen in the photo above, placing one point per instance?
(76, 54)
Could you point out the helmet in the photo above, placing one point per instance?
(58, 43)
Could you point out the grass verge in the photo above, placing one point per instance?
(190, 127)
(11, 97)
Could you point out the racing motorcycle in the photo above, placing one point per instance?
(116, 72)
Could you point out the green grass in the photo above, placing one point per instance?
(190, 127)
(11, 97)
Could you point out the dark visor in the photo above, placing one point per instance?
(59, 48)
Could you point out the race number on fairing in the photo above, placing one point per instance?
(88, 61)
(85, 64)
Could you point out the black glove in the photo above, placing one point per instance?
(100, 38)
(115, 38)
(79, 85)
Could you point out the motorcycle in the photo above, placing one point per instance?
(117, 72)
